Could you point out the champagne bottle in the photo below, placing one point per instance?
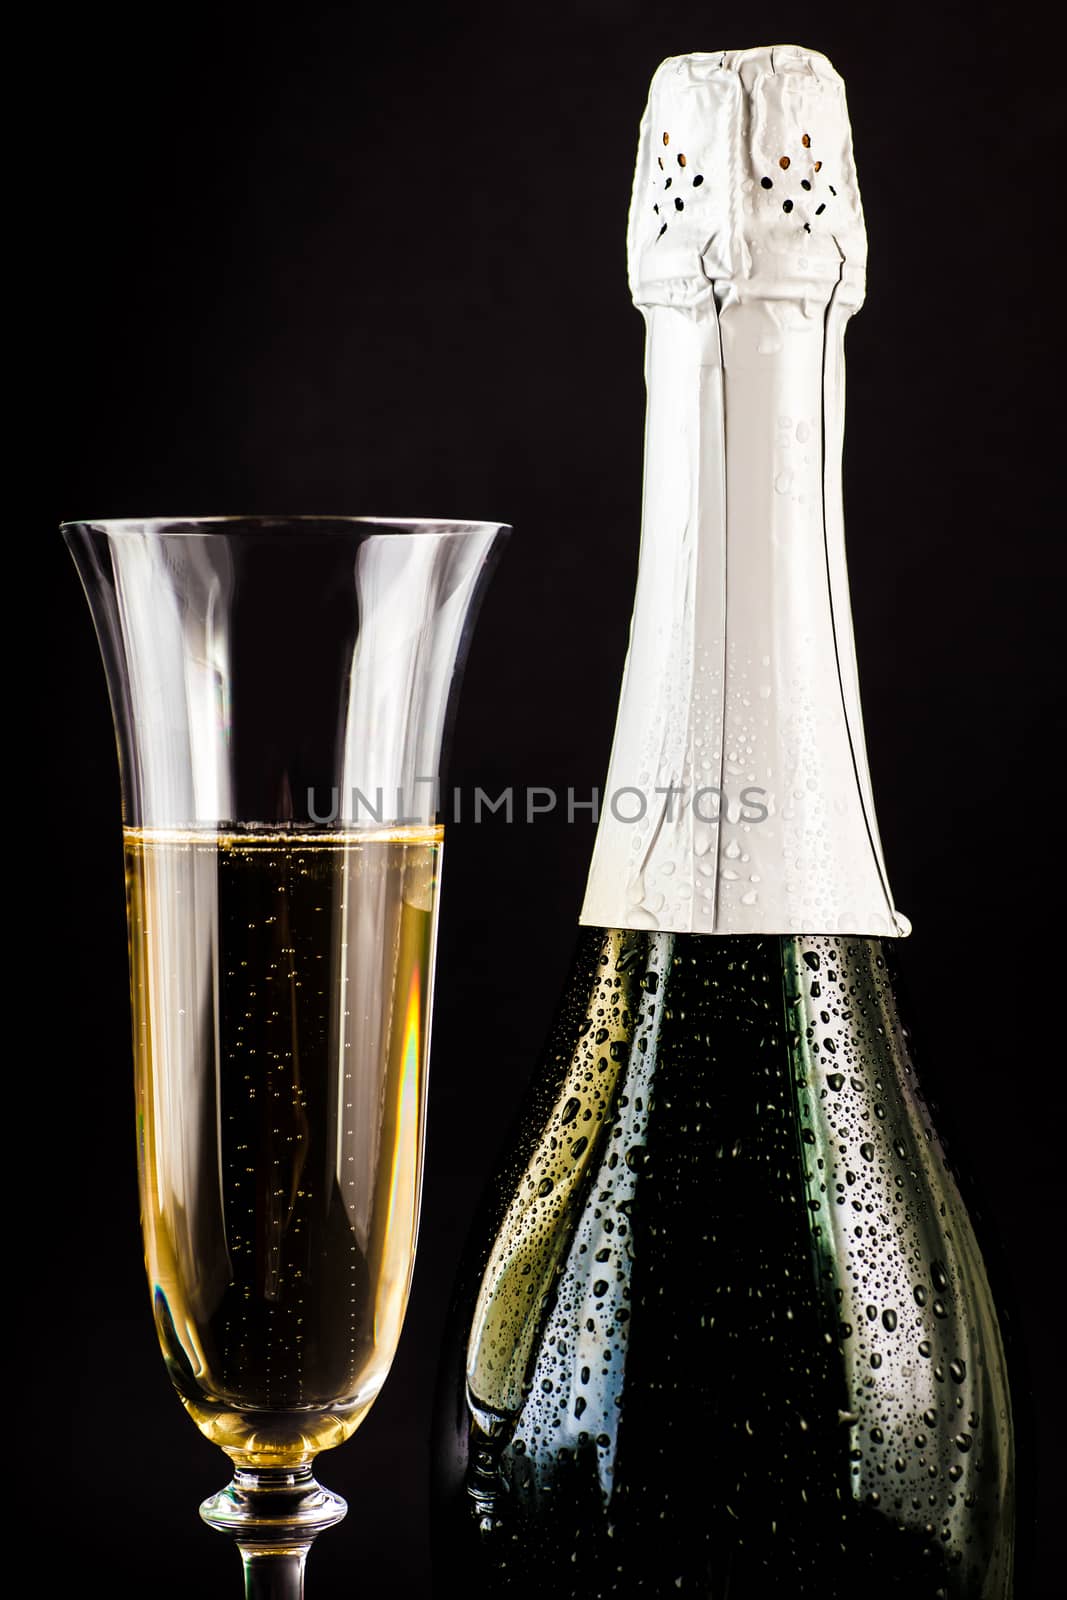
(728, 1332)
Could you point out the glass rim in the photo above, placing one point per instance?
(190, 527)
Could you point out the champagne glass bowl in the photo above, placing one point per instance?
(281, 690)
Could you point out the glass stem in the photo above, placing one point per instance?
(274, 1574)
(273, 1515)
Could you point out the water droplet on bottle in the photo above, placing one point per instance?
(957, 1370)
(963, 1442)
(867, 1152)
(889, 1321)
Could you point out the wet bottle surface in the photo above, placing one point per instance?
(727, 1331)
(733, 1335)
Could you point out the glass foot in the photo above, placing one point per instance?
(273, 1514)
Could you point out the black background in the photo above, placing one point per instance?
(344, 258)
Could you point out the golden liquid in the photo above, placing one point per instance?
(281, 1008)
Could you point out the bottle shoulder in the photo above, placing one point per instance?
(732, 1268)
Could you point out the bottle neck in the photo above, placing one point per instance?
(738, 797)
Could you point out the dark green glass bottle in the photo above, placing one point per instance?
(726, 1331)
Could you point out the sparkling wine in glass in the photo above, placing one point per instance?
(281, 692)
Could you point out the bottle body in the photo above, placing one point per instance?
(729, 1333)
(733, 1334)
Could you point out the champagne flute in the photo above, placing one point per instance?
(281, 691)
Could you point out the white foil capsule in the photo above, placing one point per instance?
(738, 797)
